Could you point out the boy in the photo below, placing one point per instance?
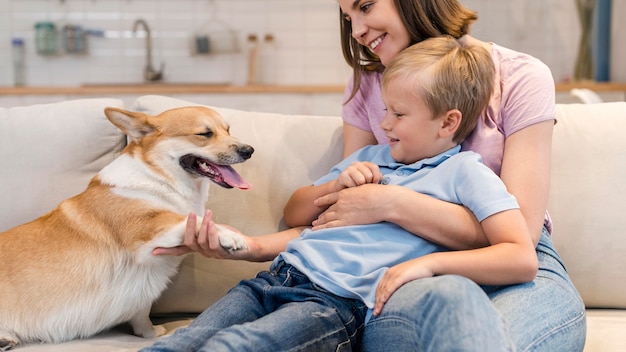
(327, 282)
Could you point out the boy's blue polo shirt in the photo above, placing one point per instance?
(349, 261)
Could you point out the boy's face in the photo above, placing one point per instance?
(409, 124)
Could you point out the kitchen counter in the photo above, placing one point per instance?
(595, 86)
(194, 88)
(168, 88)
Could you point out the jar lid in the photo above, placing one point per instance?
(44, 25)
(17, 41)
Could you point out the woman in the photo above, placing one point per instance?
(514, 138)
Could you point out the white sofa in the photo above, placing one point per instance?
(49, 152)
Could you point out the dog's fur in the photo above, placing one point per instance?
(88, 264)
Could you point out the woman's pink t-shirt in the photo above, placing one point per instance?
(524, 95)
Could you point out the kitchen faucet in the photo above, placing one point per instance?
(150, 74)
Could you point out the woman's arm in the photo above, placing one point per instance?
(417, 213)
(355, 138)
(510, 259)
(450, 225)
(526, 172)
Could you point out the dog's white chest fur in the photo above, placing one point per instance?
(131, 178)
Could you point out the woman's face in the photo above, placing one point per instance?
(376, 25)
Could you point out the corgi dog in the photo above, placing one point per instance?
(88, 265)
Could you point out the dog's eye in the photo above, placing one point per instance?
(207, 134)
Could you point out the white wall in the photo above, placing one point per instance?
(305, 49)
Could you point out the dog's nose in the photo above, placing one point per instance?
(245, 151)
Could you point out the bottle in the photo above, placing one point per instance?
(253, 59)
(19, 74)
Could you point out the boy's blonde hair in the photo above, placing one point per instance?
(448, 75)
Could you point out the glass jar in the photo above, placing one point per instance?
(73, 39)
(45, 38)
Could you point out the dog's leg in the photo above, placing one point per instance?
(142, 326)
(231, 240)
(7, 343)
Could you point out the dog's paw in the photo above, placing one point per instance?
(143, 327)
(152, 331)
(7, 343)
(159, 330)
(231, 240)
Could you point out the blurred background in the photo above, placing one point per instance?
(242, 42)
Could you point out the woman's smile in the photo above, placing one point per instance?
(373, 45)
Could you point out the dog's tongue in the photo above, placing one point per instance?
(231, 177)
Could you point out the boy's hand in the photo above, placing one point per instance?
(359, 173)
(398, 275)
(204, 239)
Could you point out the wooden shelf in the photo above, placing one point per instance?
(169, 88)
(595, 86)
(191, 88)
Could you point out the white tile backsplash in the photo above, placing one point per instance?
(305, 49)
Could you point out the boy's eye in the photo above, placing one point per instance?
(394, 113)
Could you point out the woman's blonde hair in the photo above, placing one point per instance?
(423, 19)
(447, 75)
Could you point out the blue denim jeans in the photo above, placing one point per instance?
(279, 310)
(452, 313)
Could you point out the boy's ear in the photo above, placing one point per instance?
(450, 123)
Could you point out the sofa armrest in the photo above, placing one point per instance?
(588, 199)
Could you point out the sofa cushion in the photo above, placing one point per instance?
(274, 171)
(49, 152)
(585, 200)
(588, 199)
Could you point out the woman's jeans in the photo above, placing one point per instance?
(452, 313)
(279, 310)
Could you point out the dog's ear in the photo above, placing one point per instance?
(135, 125)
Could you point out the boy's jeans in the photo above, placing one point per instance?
(279, 310)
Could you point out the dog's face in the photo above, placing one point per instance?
(195, 139)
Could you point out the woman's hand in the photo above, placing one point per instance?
(418, 213)
(365, 204)
(302, 208)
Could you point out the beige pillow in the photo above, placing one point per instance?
(49, 152)
(290, 151)
(588, 199)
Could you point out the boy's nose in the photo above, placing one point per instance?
(385, 124)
